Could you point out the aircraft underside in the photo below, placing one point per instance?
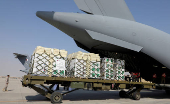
(114, 33)
(134, 62)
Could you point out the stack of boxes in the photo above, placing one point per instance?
(94, 62)
(85, 65)
(48, 62)
(120, 69)
(76, 65)
(112, 69)
(108, 70)
(53, 62)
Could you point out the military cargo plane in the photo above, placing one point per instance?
(109, 29)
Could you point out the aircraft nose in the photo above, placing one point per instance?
(45, 15)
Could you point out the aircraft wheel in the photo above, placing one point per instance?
(122, 94)
(56, 97)
(136, 96)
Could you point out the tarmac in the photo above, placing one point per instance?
(17, 94)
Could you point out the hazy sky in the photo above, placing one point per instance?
(21, 31)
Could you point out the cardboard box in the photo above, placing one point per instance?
(83, 65)
(48, 62)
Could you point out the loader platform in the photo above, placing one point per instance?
(83, 83)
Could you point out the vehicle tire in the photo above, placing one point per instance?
(122, 94)
(56, 97)
(136, 96)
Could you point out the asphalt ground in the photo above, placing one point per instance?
(17, 94)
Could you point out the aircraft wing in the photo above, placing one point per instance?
(112, 8)
(114, 41)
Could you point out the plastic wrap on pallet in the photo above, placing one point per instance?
(85, 65)
(108, 70)
(94, 69)
(112, 69)
(48, 62)
(78, 68)
(120, 69)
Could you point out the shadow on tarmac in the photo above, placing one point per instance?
(101, 95)
(155, 94)
(38, 97)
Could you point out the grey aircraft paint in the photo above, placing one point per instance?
(25, 60)
(102, 29)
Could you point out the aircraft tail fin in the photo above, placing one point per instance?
(112, 8)
(25, 60)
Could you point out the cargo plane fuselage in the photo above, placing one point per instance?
(109, 26)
